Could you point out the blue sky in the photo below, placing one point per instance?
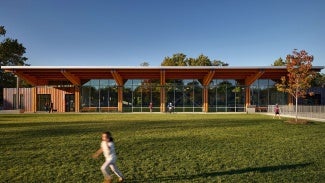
(129, 32)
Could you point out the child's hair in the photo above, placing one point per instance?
(109, 136)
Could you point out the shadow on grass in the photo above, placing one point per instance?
(222, 173)
(51, 129)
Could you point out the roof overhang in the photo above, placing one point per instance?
(78, 75)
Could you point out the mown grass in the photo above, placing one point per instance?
(161, 148)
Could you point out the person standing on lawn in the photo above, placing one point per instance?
(276, 111)
(150, 106)
(108, 149)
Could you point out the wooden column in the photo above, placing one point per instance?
(120, 98)
(248, 96)
(120, 83)
(205, 98)
(206, 82)
(76, 98)
(162, 99)
(162, 90)
(34, 99)
(248, 82)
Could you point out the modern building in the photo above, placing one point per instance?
(132, 89)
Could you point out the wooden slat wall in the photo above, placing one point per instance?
(8, 98)
(57, 97)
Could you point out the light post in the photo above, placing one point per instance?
(17, 92)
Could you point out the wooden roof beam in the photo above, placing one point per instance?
(72, 78)
(162, 77)
(250, 79)
(42, 82)
(117, 77)
(29, 79)
(207, 78)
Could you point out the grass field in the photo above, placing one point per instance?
(161, 148)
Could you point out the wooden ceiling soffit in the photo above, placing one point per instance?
(29, 79)
(118, 78)
(83, 81)
(208, 77)
(72, 78)
(250, 79)
(162, 77)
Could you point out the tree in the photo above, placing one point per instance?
(191, 61)
(178, 59)
(279, 62)
(219, 63)
(201, 60)
(11, 54)
(144, 64)
(319, 80)
(299, 75)
(2, 30)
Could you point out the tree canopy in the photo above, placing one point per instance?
(180, 59)
(11, 54)
(279, 62)
(144, 63)
(2, 31)
(319, 80)
(299, 76)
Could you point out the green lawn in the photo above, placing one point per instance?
(161, 148)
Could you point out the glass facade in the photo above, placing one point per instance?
(185, 95)
(226, 96)
(137, 95)
(264, 93)
(98, 96)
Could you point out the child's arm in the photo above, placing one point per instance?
(97, 153)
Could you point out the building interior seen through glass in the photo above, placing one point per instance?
(183, 95)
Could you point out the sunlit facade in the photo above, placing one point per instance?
(185, 95)
(134, 89)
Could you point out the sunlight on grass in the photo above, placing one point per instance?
(162, 148)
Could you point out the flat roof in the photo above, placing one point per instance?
(145, 67)
(78, 75)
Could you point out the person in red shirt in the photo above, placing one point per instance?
(276, 111)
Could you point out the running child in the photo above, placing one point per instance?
(108, 149)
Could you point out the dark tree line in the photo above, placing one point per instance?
(11, 54)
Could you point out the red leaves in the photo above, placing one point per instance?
(299, 75)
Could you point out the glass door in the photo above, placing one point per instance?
(69, 103)
(43, 102)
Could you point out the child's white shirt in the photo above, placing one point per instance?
(108, 150)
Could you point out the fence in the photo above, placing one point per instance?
(303, 111)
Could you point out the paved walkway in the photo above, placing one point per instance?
(300, 117)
